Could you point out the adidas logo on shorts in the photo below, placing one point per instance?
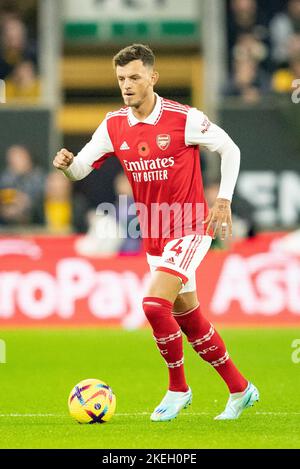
(171, 260)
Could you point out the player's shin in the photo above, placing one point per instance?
(167, 335)
(208, 344)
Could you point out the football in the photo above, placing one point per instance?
(92, 401)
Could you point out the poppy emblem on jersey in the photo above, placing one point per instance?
(163, 141)
(143, 149)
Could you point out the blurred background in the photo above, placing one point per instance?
(237, 60)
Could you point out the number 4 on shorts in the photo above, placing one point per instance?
(176, 248)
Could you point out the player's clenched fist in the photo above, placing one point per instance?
(63, 159)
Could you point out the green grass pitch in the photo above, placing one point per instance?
(44, 364)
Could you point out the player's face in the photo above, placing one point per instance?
(136, 82)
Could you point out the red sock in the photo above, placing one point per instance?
(167, 335)
(208, 344)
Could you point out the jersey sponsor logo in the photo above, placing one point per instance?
(148, 165)
(124, 146)
(149, 170)
(163, 141)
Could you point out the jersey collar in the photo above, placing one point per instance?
(152, 119)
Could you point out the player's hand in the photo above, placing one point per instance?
(219, 219)
(63, 159)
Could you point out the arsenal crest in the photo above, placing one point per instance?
(163, 141)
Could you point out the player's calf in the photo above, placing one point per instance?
(168, 338)
(208, 344)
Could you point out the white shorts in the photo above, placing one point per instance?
(181, 257)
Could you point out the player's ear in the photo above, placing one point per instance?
(155, 77)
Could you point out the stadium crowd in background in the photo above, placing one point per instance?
(57, 206)
(21, 189)
(31, 196)
(263, 47)
(18, 51)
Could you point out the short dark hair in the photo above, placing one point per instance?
(134, 52)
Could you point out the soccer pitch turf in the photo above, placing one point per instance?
(44, 364)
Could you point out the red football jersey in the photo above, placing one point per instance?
(163, 170)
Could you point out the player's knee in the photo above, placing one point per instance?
(185, 302)
(151, 307)
(154, 307)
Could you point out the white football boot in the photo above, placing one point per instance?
(171, 405)
(238, 402)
